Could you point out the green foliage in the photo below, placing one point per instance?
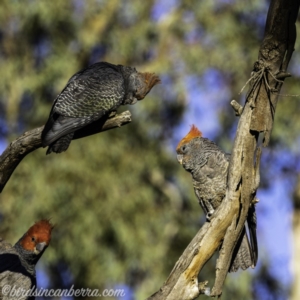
(124, 209)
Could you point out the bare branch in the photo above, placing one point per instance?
(31, 140)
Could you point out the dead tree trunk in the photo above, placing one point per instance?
(256, 117)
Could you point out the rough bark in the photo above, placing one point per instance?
(31, 140)
(257, 116)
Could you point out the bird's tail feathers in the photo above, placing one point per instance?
(61, 127)
(251, 220)
(243, 256)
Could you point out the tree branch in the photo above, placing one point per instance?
(31, 140)
(243, 178)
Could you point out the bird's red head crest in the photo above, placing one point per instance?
(40, 232)
(193, 133)
(150, 80)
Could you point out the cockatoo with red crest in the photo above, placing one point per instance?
(17, 263)
(89, 95)
(208, 165)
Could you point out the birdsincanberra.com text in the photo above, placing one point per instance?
(22, 294)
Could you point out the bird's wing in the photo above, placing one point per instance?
(9, 257)
(90, 91)
(13, 273)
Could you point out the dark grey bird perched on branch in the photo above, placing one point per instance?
(208, 165)
(89, 95)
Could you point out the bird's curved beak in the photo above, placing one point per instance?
(180, 158)
(134, 101)
(40, 246)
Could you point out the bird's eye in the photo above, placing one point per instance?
(33, 239)
(183, 148)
